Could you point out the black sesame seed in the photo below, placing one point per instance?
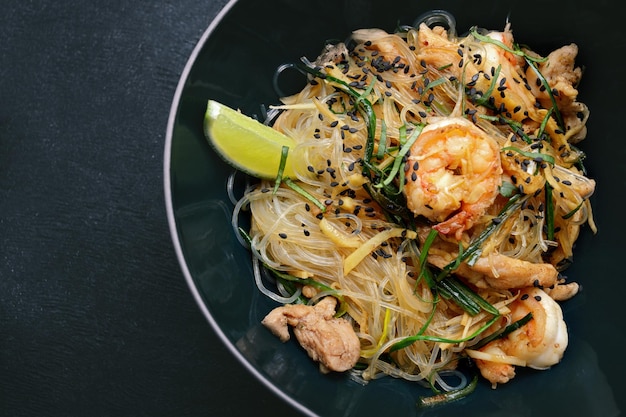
(283, 235)
(524, 297)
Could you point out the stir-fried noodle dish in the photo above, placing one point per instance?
(438, 196)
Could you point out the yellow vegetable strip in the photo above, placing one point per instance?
(368, 353)
(368, 247)
(337, 237)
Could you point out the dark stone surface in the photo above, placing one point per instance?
(96, 318)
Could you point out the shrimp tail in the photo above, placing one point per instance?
(455, 224)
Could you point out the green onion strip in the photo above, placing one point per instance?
(304, 193)
(401, 154)
(447, 397)
(549, 212)
(532, 155)
(281, 168)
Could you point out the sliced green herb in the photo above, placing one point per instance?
(532, 155)
(544, 122)
(423, 257)
(514, 125)
(451, 287)
(408, 341)
(304, 193)
(571, 213)
(473, 251)
(549, 211)
(447, 397)
(484, 98)
(382, 142)
(436, 83)
(281, 167)
(515, 51)
(555, 107)
(403, 151)
(507, 189)
(503, 332)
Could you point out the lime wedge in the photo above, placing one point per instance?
(245, 143)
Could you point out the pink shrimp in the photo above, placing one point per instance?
(453, 176)
(538, 344)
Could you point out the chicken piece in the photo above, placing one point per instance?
(330, 341)
(504, 272)
(560, 72)
(493, 271)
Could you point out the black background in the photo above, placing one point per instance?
(96, 318)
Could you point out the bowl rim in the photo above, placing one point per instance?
(172, 220)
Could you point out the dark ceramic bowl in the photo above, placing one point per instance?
(235, 62)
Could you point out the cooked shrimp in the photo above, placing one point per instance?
(538, 344)
(453, 176)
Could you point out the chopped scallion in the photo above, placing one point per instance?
(532, 155)
(305, 194)
(447, 397)
(281, 168)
